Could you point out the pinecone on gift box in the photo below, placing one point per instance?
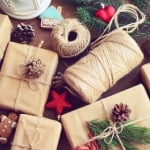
(121, 112)
(34, 68)
(23, 33)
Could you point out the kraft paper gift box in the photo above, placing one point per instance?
(17, 93)
(75, 122)
(36, 133)
(5, 33)
(145, 74)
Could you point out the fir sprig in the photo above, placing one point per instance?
(86, 13)
(130, 134)
(88, 19)
(144, 5)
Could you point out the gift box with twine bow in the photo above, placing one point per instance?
(76, 122)
(25, 78)
(36, 133)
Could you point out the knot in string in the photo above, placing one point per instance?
(109, 133)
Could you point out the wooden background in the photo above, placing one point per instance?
(68, 11)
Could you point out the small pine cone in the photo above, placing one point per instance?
(34, 68)
(23, 33)
(121, 112)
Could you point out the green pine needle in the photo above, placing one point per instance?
(130, 134)
(86, 15)
(144, 5)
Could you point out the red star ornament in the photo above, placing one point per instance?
(58, 102)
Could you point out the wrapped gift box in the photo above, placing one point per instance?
(5, 33)
(18, 93)
(145, 73)
(75, 122)
(35, 132)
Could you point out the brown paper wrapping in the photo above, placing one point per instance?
(145, 73)
(5, 33)
(41, 133)
(75, 125)
(15, 92)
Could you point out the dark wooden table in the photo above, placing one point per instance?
(68, 11)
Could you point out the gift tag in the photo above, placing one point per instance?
(51, 17)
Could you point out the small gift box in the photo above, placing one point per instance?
(25, 78)
(36, 133)
(5, 33)
(145, 73)
(76, 122)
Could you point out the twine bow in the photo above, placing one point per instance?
(32, 69)
(109, 133)
(114, 129)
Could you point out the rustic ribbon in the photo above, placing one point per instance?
(32, 140)
(114, 129)
(32, 83)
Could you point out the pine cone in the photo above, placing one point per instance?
(23, 33)
(121, 112)
(34, 68)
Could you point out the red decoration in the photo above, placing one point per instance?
(89, 146)
(105, 13)
(58, 102)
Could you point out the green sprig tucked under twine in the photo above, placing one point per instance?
(130, 134)
(124, 131)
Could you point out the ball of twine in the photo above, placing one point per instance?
(93, 74)
(70, 38)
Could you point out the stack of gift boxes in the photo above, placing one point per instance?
(28, 96)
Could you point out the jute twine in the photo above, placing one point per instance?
(114, 129)
(113, 55)
(70, 38)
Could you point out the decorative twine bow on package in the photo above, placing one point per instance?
(36, 133)
(25, 78)
(5, 33)
(113, 55)
(92, 127)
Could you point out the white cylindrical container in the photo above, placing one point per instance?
(24, 9)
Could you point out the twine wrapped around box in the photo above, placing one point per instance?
(77, 120)
(113, 55)
(27, 95)
(36, 133)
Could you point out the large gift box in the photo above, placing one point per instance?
(75, 122)
(36, 133)
(5, 33)
(17, 91)
(145, 73)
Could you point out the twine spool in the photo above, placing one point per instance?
(113, 57)
(70, 38)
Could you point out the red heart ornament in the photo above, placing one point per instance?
(105, 13)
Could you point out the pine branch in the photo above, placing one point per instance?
(143, 33)
(130, 134)
(144, 5)
(86, 15)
